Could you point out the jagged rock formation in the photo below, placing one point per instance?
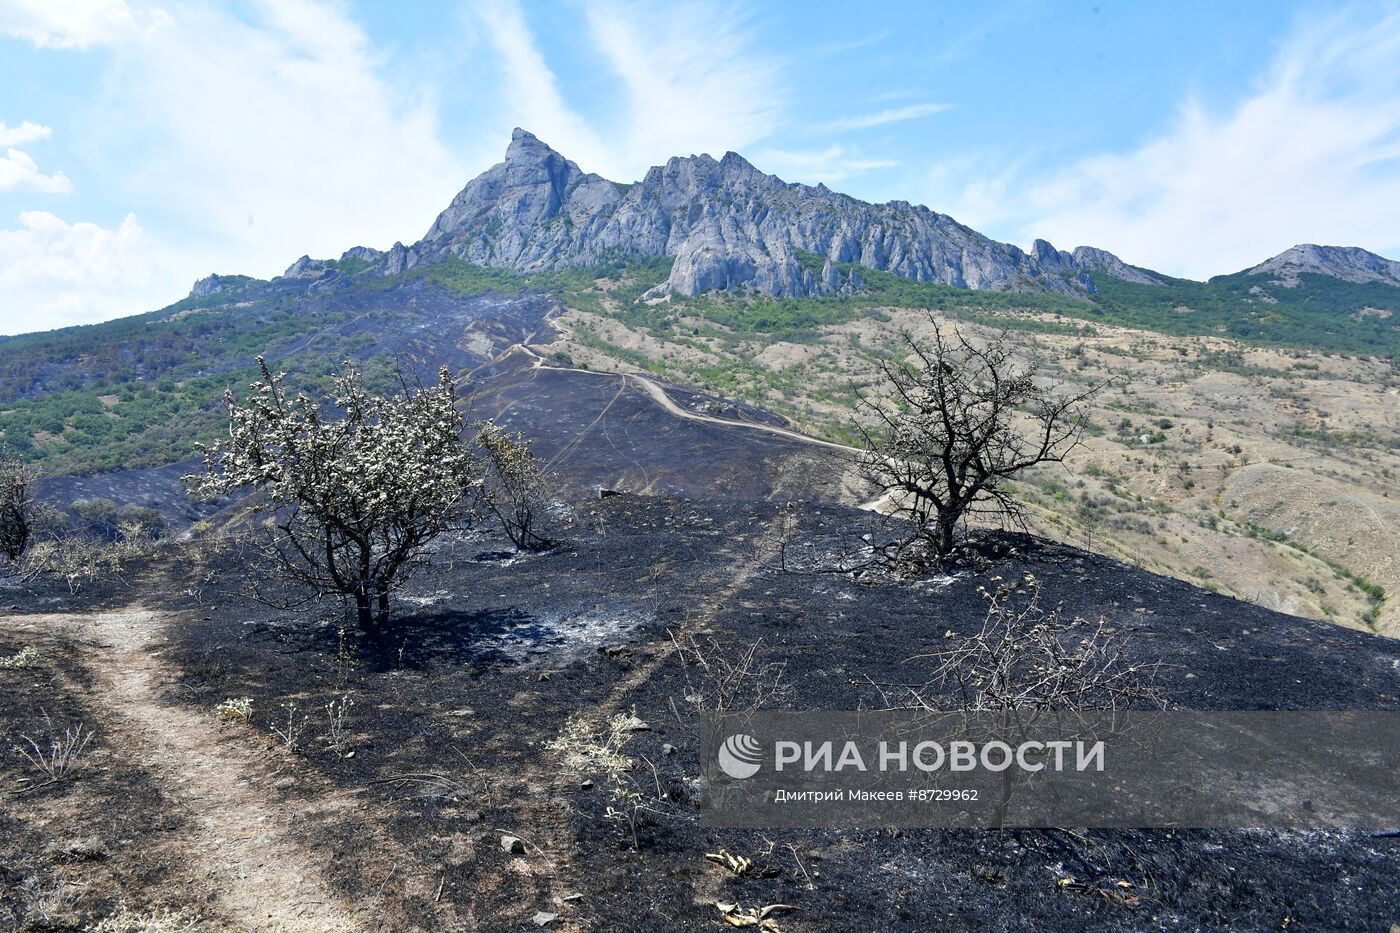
(1102, 262)
(727, 225)
(1349, 263)
(216, 284)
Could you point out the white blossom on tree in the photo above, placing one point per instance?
(353, 498)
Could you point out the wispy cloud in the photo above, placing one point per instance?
(693, 78)
(280, 132)
(829, 165)
(883, 117)
(531, 89)
(838, 48)
(688, 76)
(255, 134)
(1312, 154)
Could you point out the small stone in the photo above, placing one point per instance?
(544, 918)
(668, 749)
(586, 784)
(512, 844)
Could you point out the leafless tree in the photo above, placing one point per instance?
(354, 499)
(942, 439)
(18, 509)
(514, 486)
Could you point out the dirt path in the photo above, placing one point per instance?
(661, 397)
(246, 840)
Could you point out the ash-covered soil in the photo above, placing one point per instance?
(607, 430)
(453, 707)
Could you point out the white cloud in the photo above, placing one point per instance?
(829, 165)
(690, 81)
(26, 132)
(245, 136)
(75, 24)
(18, 172)
(54, 273)
(277, 133)
(883, 117)
(281, 133)
(840, 48)
(1311, 155)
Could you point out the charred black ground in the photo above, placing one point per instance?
(493, 652)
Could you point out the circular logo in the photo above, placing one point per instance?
(740, 756)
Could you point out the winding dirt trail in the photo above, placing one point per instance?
(246, 837)
(661, 397)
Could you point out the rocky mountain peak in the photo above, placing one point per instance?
(725, 223)
(526, 149)
(1348, 263)
(1101, 261)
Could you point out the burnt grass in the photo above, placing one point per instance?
(492, 652)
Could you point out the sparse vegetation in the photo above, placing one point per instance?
(235, 709)
(22, 660)
(731, 679)
(156, 921)
(1028, 661)
(337, 737)
(588, 746)
(57, 755)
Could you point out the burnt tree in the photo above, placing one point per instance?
(955, 421)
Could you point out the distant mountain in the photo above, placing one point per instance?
(1348, 263)
(723, 225)
(726, 225)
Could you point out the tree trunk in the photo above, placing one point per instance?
(362, 609)
(944, 537)
(383, 604)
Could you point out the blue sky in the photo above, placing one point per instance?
(144, 144)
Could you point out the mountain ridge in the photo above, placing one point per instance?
(729, 227)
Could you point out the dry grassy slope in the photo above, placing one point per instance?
(1276, 476)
